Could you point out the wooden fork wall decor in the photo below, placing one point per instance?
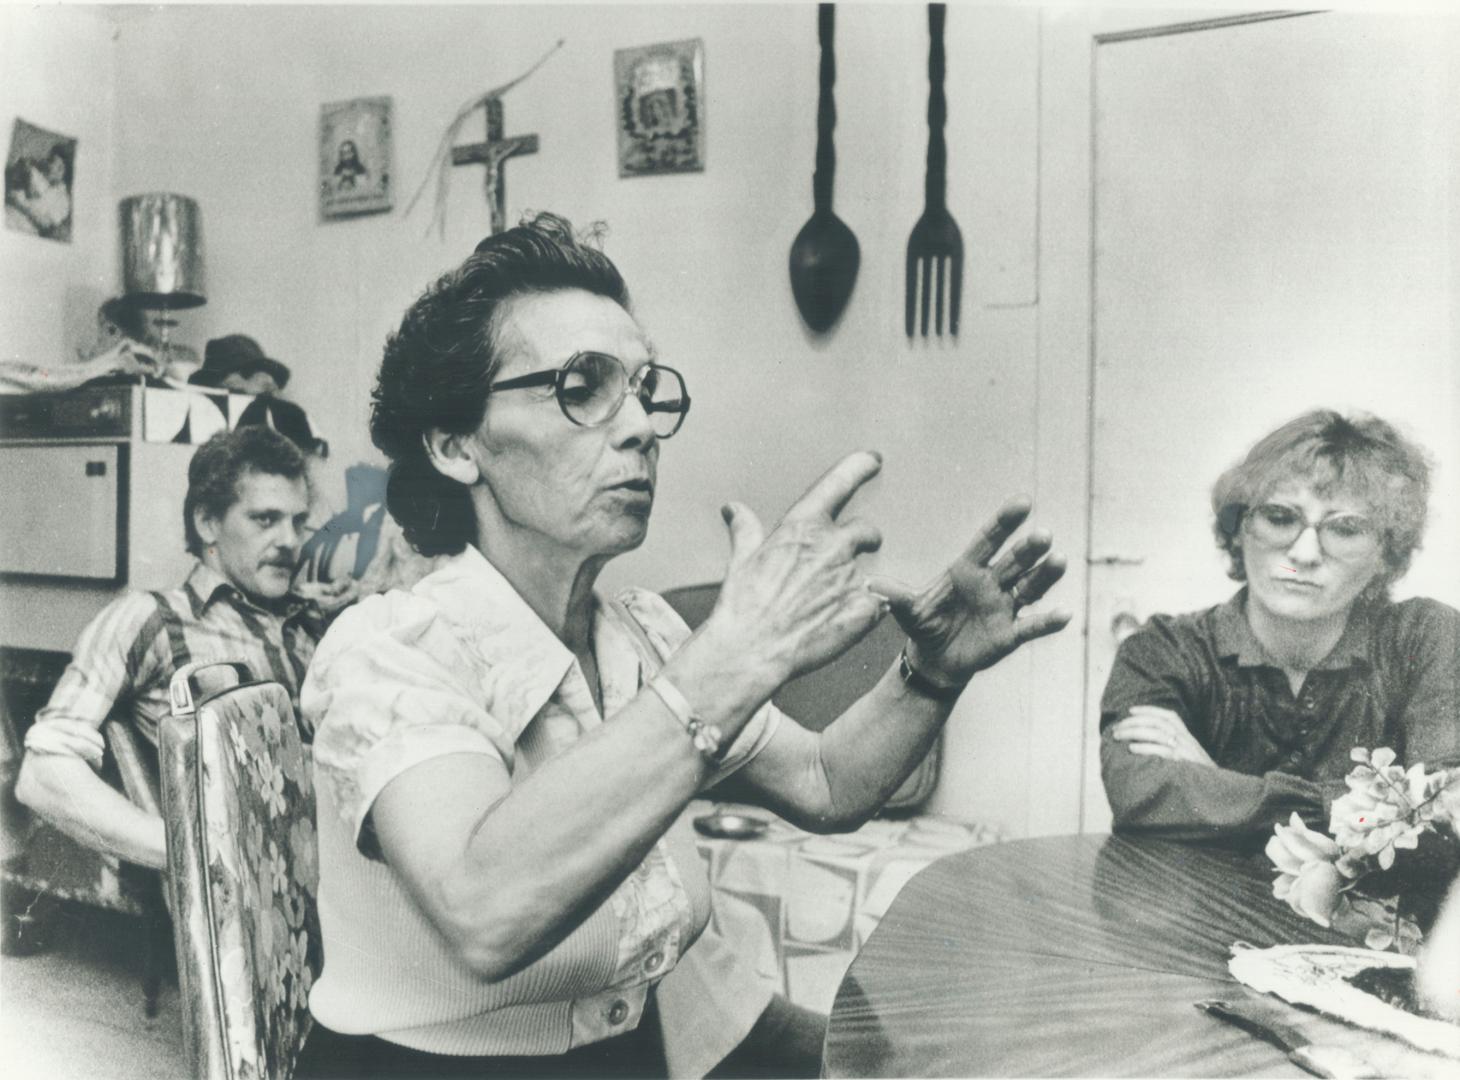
(935, 248)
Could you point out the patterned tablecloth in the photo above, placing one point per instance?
(803, 904)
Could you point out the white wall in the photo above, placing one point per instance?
(58, 71)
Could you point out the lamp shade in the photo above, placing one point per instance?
(162, 251)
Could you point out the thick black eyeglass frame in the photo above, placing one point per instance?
(556, 376)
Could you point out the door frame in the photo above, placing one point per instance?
(1061, 709)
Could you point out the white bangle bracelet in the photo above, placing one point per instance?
(707, 737)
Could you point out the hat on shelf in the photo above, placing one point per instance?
(285, 417)
(237, 354)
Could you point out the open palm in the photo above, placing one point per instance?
(968, 617)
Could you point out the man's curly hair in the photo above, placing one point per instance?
(439, 363)
(222, 462)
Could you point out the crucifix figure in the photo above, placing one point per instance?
(494, 154)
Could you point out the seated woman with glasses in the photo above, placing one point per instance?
(504, 756)
(1218, 724)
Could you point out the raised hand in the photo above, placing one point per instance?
(968, 618)
(795, 596)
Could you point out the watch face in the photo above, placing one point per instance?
(919, 684)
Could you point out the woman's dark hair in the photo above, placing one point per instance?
(222, 461)
(1361, 456)
(438, 364)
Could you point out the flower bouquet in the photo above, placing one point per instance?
(1352, 881)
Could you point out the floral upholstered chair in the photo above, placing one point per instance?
(238, 800)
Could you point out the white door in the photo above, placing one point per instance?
(1274, 231)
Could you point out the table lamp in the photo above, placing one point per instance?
(162, 257)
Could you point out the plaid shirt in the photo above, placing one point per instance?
(126, 656)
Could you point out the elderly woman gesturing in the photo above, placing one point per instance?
(504, 755)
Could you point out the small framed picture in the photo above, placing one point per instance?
(355, 157)
(661, 108)
(39, 171)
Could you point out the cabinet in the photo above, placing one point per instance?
(90, 507)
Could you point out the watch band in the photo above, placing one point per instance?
(919, 683)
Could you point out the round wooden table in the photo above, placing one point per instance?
(1066, 956)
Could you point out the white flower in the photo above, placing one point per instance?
(1386, 809)
(1294, 844)
(1309, 878)
(278, 870)
(271, 787)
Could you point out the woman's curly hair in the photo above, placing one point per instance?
(439, 363)
(1360, 455)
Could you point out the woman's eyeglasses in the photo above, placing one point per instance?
(1341, 536)
(591, 388)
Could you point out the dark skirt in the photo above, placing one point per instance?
(785, 1042)
(328, 1055)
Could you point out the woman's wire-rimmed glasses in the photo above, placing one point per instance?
(592, 386)
(1341, 536)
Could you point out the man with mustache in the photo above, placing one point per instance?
(246, 504)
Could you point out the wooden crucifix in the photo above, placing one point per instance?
(494, 154)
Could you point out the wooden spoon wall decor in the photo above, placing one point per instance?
(825, 255)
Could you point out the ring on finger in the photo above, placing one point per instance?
(1014, 597)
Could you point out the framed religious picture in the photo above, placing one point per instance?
(39, 171)
(355, 157)
(660, 95)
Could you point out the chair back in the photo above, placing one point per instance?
(818, 697)
(238, 802)
(345, 545)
